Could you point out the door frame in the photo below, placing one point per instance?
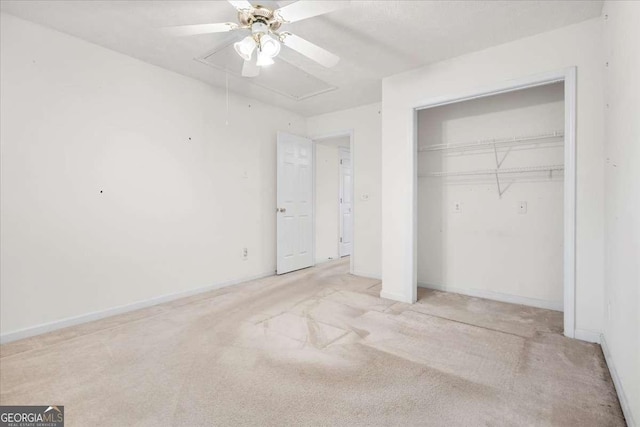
(341, 151)
(319, 138)
(568, 76)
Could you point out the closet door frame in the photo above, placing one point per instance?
(568, 76)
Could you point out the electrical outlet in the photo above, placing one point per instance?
(245, 254)
(456, 207)
(522, 207)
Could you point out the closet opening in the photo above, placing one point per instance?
(495, 196)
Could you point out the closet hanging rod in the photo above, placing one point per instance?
(493, 142)
(543, 168)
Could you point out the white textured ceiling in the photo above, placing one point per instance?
(374, 38)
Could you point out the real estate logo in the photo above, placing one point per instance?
(31, 416)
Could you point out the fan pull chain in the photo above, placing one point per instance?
(226, 80)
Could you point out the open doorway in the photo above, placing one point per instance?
(333, 198)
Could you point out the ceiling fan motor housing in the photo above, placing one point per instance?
(259, 14)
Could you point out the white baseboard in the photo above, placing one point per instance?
(497, 296)
(587, 335)
(622, 397)
(367, 275)
(89, 317)
(395, 297)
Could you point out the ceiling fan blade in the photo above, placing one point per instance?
(192, 30)
(303, 9)
(240, 4)
(250, 69)
(310, 50)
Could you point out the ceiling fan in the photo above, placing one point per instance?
(265, 36)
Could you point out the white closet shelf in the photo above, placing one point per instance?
(524, 140)
(525, 169)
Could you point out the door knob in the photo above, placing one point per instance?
(281, 209)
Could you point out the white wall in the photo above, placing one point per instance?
(182, 192)
(365, 157)
(327, 198)
(488, 248)
(577, 45)
(622, 202)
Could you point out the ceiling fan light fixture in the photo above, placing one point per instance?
(264, 60)
(245, 47)
(269, 46)
(266, 37)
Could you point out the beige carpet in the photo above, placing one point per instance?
(316, 347)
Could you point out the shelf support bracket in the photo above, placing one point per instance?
(498, 164)
(498, 184)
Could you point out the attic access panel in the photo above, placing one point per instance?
(281, 77)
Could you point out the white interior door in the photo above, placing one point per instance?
(346, 202)
(294, 203)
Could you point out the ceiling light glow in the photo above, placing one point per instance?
(245, 47)
(269, 46)
(264, 60)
